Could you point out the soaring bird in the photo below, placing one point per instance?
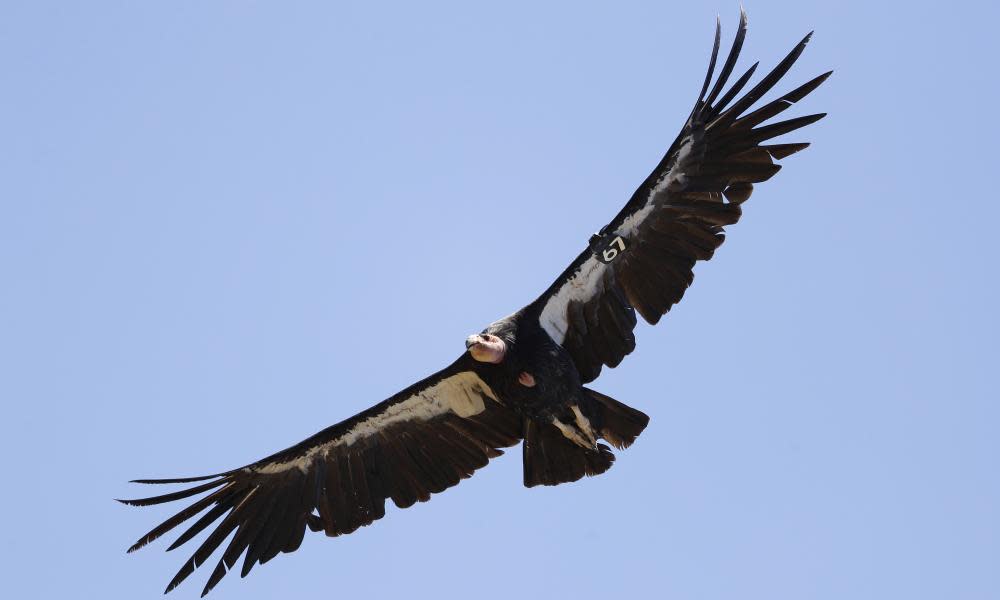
(522, 378)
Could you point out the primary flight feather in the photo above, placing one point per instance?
(522, 378)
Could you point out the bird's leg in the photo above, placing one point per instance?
(572, 433)
(583, 424)
(526, 379)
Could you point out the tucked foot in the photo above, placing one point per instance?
(572, 434)
(526, 379)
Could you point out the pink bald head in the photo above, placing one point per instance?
(486, 348)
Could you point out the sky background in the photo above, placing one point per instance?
(226, 225)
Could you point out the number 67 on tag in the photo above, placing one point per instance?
(610, 249)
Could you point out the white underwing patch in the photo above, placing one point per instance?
(674, 175)
(588, 280)
(466, 403)
(463, 394)
(584, 284)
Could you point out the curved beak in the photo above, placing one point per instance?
(486, 348)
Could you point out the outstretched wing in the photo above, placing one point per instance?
(643, 259)
(421, 441)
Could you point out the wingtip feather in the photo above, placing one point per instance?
(711, 64)
(178, 495)
(176, 479)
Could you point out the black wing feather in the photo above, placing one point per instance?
(676, 217)
(730, 64)
(328, 484)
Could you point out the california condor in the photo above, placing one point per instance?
(523, 377)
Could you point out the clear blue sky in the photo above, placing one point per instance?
(220, 222)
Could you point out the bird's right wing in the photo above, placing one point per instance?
(420, 441)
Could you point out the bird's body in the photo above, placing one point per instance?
(554, 378)
(539, 382)
(524, 377)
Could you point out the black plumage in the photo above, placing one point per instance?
(524, 376)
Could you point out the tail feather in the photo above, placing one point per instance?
(619, 424)
(550, 458)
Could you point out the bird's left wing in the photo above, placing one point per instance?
(643, 259)
(418, 442)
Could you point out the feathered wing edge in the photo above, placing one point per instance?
(676, 217)
(337, 488)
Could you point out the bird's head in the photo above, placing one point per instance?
(486, 347)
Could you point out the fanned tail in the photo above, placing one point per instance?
(553, 456)
(550, 458)
(617, 423)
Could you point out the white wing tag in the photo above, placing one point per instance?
(608, 249)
